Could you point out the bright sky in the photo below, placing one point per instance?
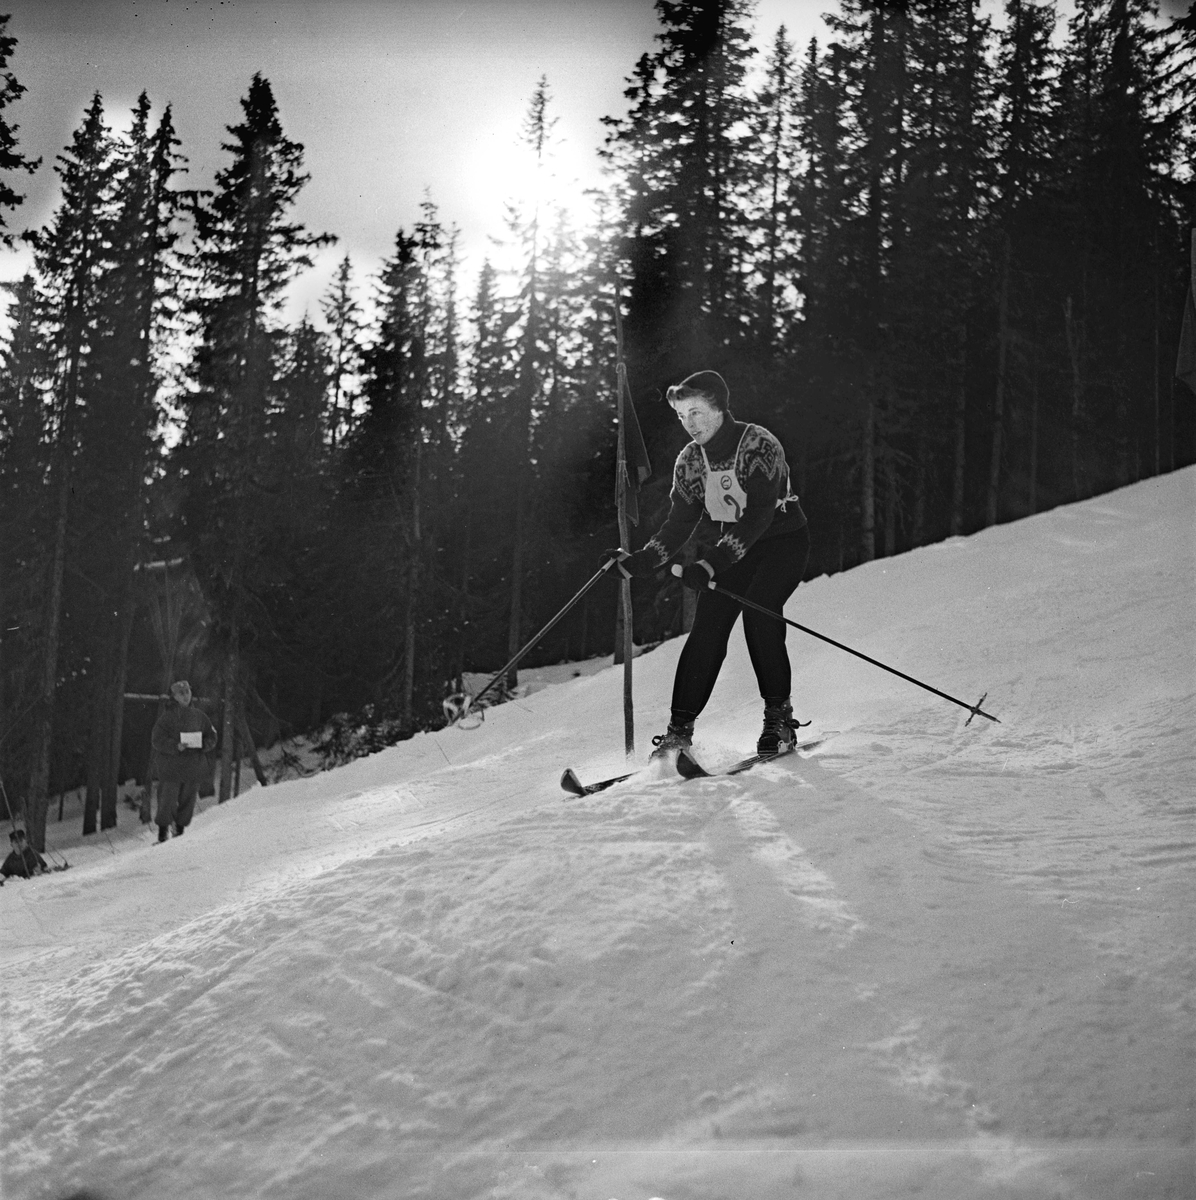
(392, 99)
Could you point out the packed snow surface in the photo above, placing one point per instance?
(932, 958)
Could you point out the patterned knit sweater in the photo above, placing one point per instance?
(759, 464)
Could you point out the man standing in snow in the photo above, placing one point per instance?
(182, 739)
(731, 493)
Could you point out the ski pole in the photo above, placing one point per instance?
(974, 709)
(469, 701)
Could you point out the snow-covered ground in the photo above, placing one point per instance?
(932, 959)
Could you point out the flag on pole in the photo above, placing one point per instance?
(631, 469)
(1185, 363)
(634, 467)
(637, 465)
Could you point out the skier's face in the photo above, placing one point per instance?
(700, 418)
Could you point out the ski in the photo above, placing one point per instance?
(575, 787)
(689, 767)
(66, 866)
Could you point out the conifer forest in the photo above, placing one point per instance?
(942, 253)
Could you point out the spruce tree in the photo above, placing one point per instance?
(25, 442)
(683, 145)
(937, 269)
(248, 249)
(11, 159)
(871, 42)
(1174, 61)
(776, 163)
(400, 496)
(483, 585)
(296, 586)
(1116, 155)
(117, 441)
(436, 629)
(384, 462)
(1022, 224)
(528, 393)
(342, 313)
(20, 441)
(823, 210)
(70, 257)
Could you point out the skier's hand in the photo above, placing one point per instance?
(698, 575)
(616, 555)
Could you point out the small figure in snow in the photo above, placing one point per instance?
(731, 494)
(182, 739)
(23, 860)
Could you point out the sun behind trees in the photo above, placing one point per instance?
(942, 256)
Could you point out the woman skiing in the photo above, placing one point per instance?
(731, 492)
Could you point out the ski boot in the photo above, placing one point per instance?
(779, 735)
(679, 736)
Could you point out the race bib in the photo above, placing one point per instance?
(725, 497)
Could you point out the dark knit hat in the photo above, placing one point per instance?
(709, 385)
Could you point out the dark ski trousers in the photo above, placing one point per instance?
(768, 574)
(176, 803)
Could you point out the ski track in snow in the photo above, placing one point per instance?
(812, 888)
(935, 959)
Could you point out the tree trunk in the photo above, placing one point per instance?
(97, 742)
(868, 484)
(39, 778)
(3, 690)
(515, 621)
(237, 754)
(249, 747)
(998, 427)
(407, 703)
(463, 609)
(116, 709)
(1158, 388)
(918, 533)
(229, 715)
(959, 476)
(107, 707)
(1033, 498)
(621, 484)
(890, 507)
(1075, 349)
(529, 381)
(407, 699)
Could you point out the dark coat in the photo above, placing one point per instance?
(25, 862)
(171, 764)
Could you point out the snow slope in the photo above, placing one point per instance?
(933, 959)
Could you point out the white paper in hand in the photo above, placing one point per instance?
(192, 741)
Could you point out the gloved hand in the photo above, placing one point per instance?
(698, 575)
(616, 555)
